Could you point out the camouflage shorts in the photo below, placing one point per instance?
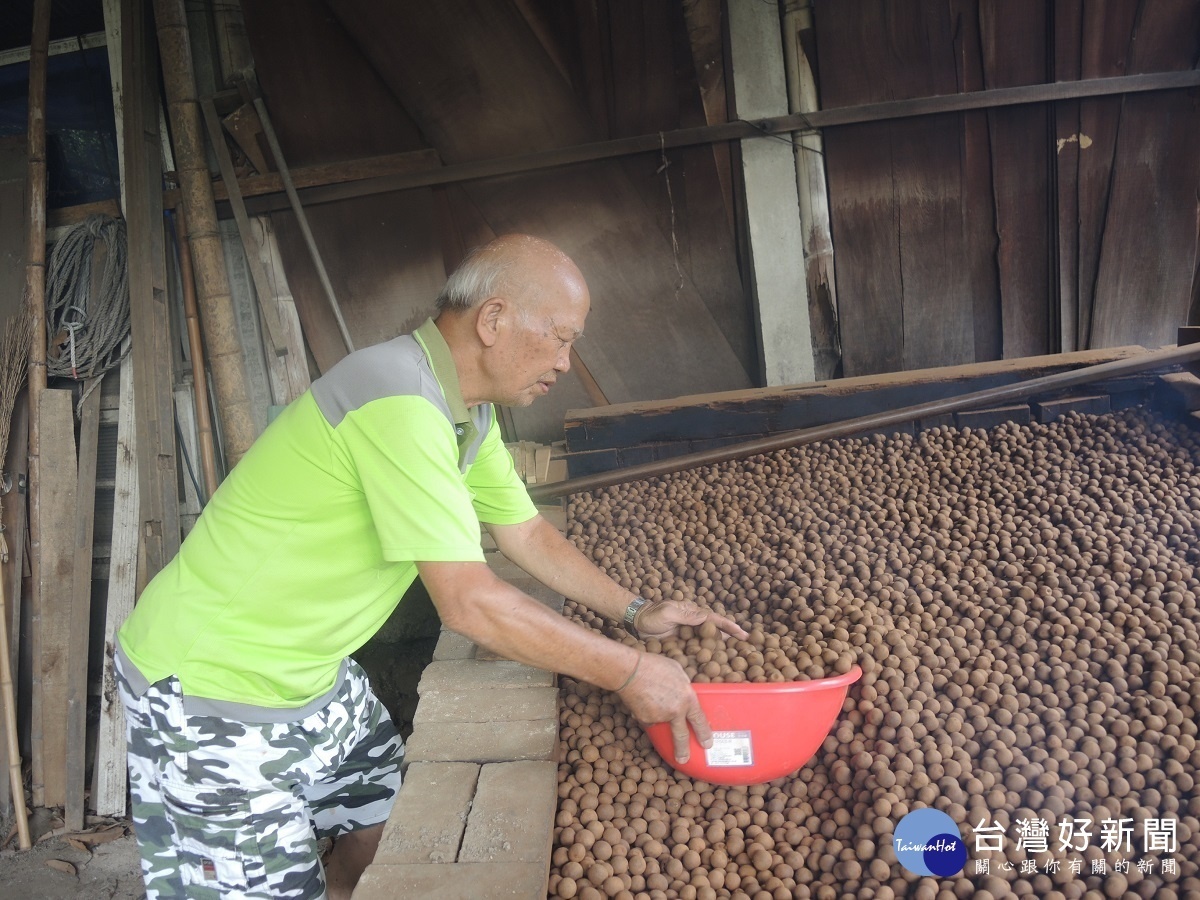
(231, 809)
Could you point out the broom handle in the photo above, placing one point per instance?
(10, 719)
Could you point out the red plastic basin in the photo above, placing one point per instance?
(760, 731)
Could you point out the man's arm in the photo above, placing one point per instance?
(472, 601)
(542, 551)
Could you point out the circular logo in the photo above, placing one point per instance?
(928, 842)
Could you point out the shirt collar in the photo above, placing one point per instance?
(437, 351)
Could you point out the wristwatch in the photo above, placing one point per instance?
(631, 612)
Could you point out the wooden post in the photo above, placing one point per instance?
(195, 183)
(80, 597)
(799, 42)
(288, 374)
(772, 205)
(35, 298)
(149, 314)
(108, 793)
(51, 619)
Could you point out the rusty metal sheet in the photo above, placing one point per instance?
(325, 100)
(1147, 259)
(1013, 36)
(383, 260)
(896, 190)
(1103, 53)
(480, 84)
(327, 104)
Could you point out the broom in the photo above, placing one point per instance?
(14, 351)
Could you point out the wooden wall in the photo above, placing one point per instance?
(961, 237)
(1019, 230)
(475, 79)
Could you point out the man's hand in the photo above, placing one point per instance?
(661, 692)
(660, 620)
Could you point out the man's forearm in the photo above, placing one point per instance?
(544, 553)
(508, 622)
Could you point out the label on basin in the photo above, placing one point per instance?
(730, 748)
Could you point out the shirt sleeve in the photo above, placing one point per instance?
(405, 455)
(500, 497)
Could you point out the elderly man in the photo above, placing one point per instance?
(252, 733)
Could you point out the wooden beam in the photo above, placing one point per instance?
(109, 779)
(55, 48)
(743, 129)
(422, 168)
(288, 374)
(51, 620)
(79, 593)
(148, 311)
(270, 317)
(265, 193)
(779, 286)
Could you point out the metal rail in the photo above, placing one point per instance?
(1018, 391)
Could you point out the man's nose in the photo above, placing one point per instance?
(563, 363)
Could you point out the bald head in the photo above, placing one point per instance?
(511, 314)
(521, 267)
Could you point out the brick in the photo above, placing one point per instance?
(484, 741)
(430, 814)
(505, 705)
(997, 415)
(462, 674)
(452, 645)
(1094, 404)
(1180, 390)
(512, 816)
(459, 881)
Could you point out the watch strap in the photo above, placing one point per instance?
(631, 612)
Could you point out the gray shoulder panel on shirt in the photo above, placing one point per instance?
(395, 368)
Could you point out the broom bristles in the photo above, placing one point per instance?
(14, 361)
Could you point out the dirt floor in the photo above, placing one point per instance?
(99, 863)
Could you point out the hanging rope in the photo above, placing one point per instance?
(86, 331)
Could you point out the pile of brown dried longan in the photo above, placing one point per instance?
(1023, 604)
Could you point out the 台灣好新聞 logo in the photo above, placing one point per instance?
(928, 842)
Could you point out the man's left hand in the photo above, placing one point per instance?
(663, 619)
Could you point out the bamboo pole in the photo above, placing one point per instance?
(214, 300)
(208, 456)
(9, 697)
(35, 301)
(310, 241)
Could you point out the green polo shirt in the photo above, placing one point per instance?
(306, 548)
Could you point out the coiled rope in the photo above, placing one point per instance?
(86, 331)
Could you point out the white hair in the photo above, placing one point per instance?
(476, 278)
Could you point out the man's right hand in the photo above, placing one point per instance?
(661, 692)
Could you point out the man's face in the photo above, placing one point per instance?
(538, 351)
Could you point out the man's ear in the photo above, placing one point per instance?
(489, 318)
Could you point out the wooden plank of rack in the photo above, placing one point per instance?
(774, 410)
(51, 620)
(81, 607)
(108, 792)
